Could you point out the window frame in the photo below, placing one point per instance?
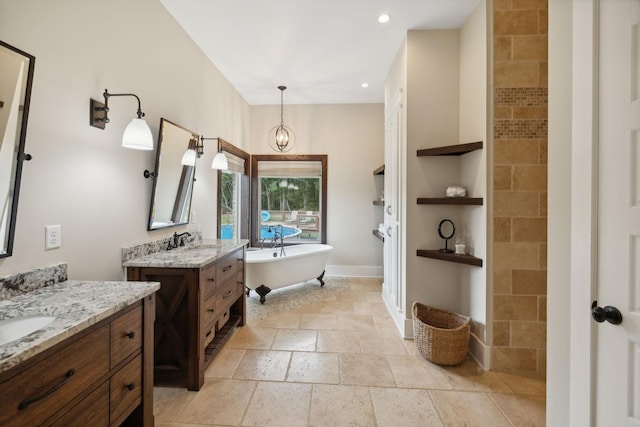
(255, 215)
(227, 147)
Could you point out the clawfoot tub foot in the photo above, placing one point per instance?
(262, 290)
(248, 291)
(320, 277)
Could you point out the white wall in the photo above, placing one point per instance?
(352, 135)
(559, 207)
(474, 116)
(80, 177)
(433, 86)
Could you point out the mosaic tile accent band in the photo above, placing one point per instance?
(520, 129)
(521, 96)
(526, 109)
(20, 283)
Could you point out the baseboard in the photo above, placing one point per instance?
(480, 352)
(354, 271)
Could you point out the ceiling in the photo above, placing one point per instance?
(322, 50)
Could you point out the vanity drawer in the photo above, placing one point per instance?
(92, 411)
(208, 334)
(228, 267)
(226, 296)
(208, 279)
(223, 319)
(126, 335)
(126, 390)
(210, 310)
(42, 389)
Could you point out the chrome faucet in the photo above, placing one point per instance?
(279, 234)
(274, 239)
(177, 240)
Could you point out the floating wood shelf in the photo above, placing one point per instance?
(451, 150)
(379, 171)
(477, 201)
(378, 203)
(378, 234)
(461, 259)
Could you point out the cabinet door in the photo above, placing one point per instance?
(393, 208)
(391, 284)
(393, 147)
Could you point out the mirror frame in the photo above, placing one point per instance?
(181, 184)
(19, 152)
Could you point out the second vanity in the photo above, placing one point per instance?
(91, 365)
(200, 303)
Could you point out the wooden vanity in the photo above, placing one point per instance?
(96, 372)
(200, 303)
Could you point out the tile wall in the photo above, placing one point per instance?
(519, 185)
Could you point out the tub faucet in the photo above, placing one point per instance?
(279, 234)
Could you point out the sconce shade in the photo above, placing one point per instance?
(189, 157)
(220, 162)
(137, 136)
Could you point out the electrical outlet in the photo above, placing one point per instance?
(52, 237)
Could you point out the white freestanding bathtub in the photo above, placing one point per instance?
(267, 269)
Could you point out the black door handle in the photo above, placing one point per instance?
(608, 313)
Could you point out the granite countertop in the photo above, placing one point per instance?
(196, 256)
(76, 306)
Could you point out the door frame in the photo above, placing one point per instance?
(584, 161)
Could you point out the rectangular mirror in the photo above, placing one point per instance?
(16, 78)
(173, 181)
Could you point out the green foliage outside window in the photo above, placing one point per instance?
(290, 194)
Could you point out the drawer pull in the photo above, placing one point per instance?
(211, 310)
(27, 402)
(131, 334)
(211, 279)
(131, 386)
(227, 294)
(227, 268)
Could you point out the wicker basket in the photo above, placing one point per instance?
(441, 336)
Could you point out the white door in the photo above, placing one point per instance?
(616, 387)
(392, 207)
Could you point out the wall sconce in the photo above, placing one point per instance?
(137, 134)
(196, 150)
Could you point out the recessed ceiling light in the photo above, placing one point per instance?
(384, 18)
(365, 84)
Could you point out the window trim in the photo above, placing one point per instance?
(224, 146)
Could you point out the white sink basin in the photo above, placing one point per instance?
(18, 327)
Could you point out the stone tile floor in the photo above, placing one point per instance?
(340, 361)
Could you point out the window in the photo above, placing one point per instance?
(233, 194)
(289, 191)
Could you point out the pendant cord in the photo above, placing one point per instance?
(281, 107)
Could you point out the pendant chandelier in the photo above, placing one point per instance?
(281, 138)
